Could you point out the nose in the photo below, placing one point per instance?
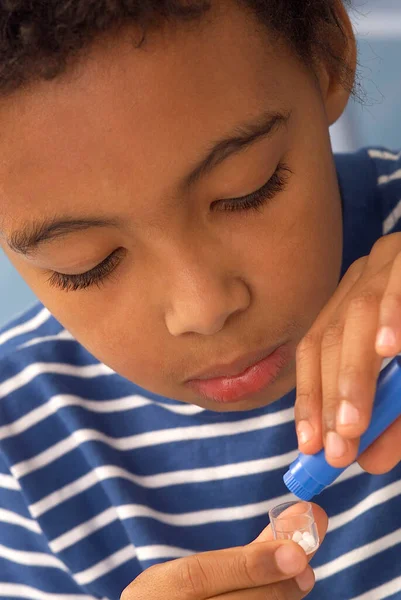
(203, 298)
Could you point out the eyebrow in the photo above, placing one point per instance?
(29, 239)
(243, 136)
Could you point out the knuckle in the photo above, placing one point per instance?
(329, 411)
(356, 268)
(276, 592)
(365, 300)
(250, 567)
(394, 298)
(351, 371)
(126, 593)
(380, 243)
(332, 335)
(306, 399)
(135, 589)
(191, 578)
(308, 343)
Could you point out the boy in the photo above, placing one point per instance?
(169, 192)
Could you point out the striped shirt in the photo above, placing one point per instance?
(100, 479)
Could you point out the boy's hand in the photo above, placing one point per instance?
(249, 572)
(339, 360)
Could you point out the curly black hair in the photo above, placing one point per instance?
(39, 38)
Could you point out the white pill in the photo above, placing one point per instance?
(310, 539)
(304, 544)
(297, 537)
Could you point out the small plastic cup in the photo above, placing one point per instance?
(295, 521)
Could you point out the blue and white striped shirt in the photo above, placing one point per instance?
(100, 479)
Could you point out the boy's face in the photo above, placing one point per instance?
(191, 284)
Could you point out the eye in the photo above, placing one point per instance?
(273, 186)
(95, 276)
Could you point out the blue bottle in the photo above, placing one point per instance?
(308, 475)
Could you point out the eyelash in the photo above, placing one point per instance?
(102, 271)
(254, 201)
(95, 276)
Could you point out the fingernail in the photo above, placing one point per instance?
(386, 338)
(304, 432)
(348, 414)
(305, 580)
(336, 447)
(289, 560)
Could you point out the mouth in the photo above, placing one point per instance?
(245, 376)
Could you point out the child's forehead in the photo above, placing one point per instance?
(128, 124)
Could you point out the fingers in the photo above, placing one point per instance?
(292, 589)
(337, 450)
(343, 347)
(348, 401)
(309, 400)
(388, 341)
(209, 574)
(385, 453)
(308, 404)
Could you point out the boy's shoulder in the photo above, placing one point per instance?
(371, 178)
(36, 352)
(29, 329)
(40, 360)
(370, 188)
(379, 160)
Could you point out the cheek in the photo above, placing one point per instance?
(312, 257)
(295, 261)
(113, 323)
(128, 341)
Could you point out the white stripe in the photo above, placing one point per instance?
(60, 401)
(384, 154)
(6, 516)
(85, 529)
(392, 219)
(150, 438)
(19, 590)
(63, 335)
(203, 517)
(374, 499)
(358, 555)
(26, 327)
(105, 566)
(31, 371)
(8, 482)
(159, 480)
(156, 552)
(383, 179)
(32, 559)
(189, 519)
(383, 591)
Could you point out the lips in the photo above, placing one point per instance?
(235, 368)
(241, 378)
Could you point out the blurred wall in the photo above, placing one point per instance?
(375, 122)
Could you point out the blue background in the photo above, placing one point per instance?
(375, 122)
